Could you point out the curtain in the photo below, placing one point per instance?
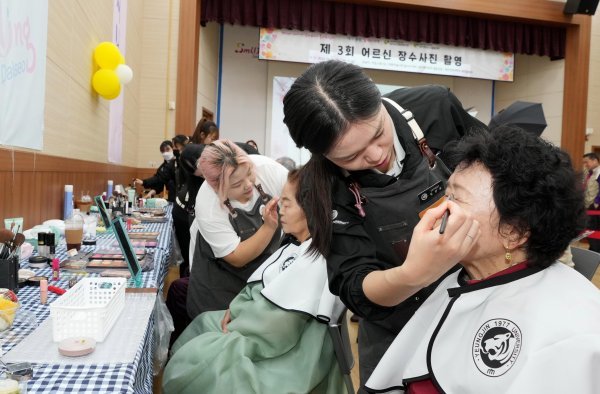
(392, 23)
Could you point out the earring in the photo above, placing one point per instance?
(508, 257)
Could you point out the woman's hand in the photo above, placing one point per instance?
(138, 182)
(225, 321)
(150, 194)
(270, 215)
(432, 254)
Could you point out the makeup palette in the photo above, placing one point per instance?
(151, 236)
(101, 263)
(138, 244)
(115, 254)
(73, 264)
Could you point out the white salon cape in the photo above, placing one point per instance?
(295, 280)
(530, 331)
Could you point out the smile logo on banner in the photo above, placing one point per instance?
(496, 346)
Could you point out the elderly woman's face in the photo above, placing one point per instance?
(291, 214)
(471, 188)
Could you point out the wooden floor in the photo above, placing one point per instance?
(352, 327)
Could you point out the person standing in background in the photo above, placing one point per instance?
(205, 133)
(164, 176)
(181, 221)
(592, 194)
(253, 144)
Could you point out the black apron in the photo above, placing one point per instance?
(391, 215)
(392, 212)
(214, 282)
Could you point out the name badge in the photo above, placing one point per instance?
(430, 193)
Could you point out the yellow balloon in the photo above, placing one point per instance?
(106, 83)
(114, 95)
(107, 55)
(121, 59)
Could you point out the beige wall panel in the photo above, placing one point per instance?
(156, 9)
(76, 119)
(155, 41)
(98, 15)
(60, 14)
(56, 117)
(159, 73)
(153, 93)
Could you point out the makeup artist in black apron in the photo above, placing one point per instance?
(237, 223)
(377, 193)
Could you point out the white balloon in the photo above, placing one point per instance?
(125, 73)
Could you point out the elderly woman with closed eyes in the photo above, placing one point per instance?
(512, 320)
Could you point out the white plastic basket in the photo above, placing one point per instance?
(89, 309)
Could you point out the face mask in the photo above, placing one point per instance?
(176, 153)
(167, 155)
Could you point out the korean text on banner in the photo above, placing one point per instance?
(385, 54)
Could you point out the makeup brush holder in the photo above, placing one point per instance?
(9, 273)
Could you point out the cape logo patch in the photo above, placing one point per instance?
(496, 346)
(287, 262)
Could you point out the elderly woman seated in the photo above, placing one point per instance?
(273, 338)
(512, 320)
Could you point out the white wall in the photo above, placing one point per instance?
(208, 71)
(243, 87)
(540, 80)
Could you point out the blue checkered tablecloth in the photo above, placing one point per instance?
(133, 377)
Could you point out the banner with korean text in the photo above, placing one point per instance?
(23, 40)
(384, 54)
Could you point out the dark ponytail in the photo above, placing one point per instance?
(315, 198)
(318, 109)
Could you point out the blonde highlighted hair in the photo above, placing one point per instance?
(218, 161)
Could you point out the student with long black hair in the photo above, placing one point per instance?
(370, 180)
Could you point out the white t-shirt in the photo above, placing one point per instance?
(213, 218)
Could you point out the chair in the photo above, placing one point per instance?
(586, 261)
(343, 352)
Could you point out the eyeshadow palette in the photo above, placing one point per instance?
(138, 244)
(73, 264)
(152, 219)
(149, 236)
(97, 263)
(114, 254)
